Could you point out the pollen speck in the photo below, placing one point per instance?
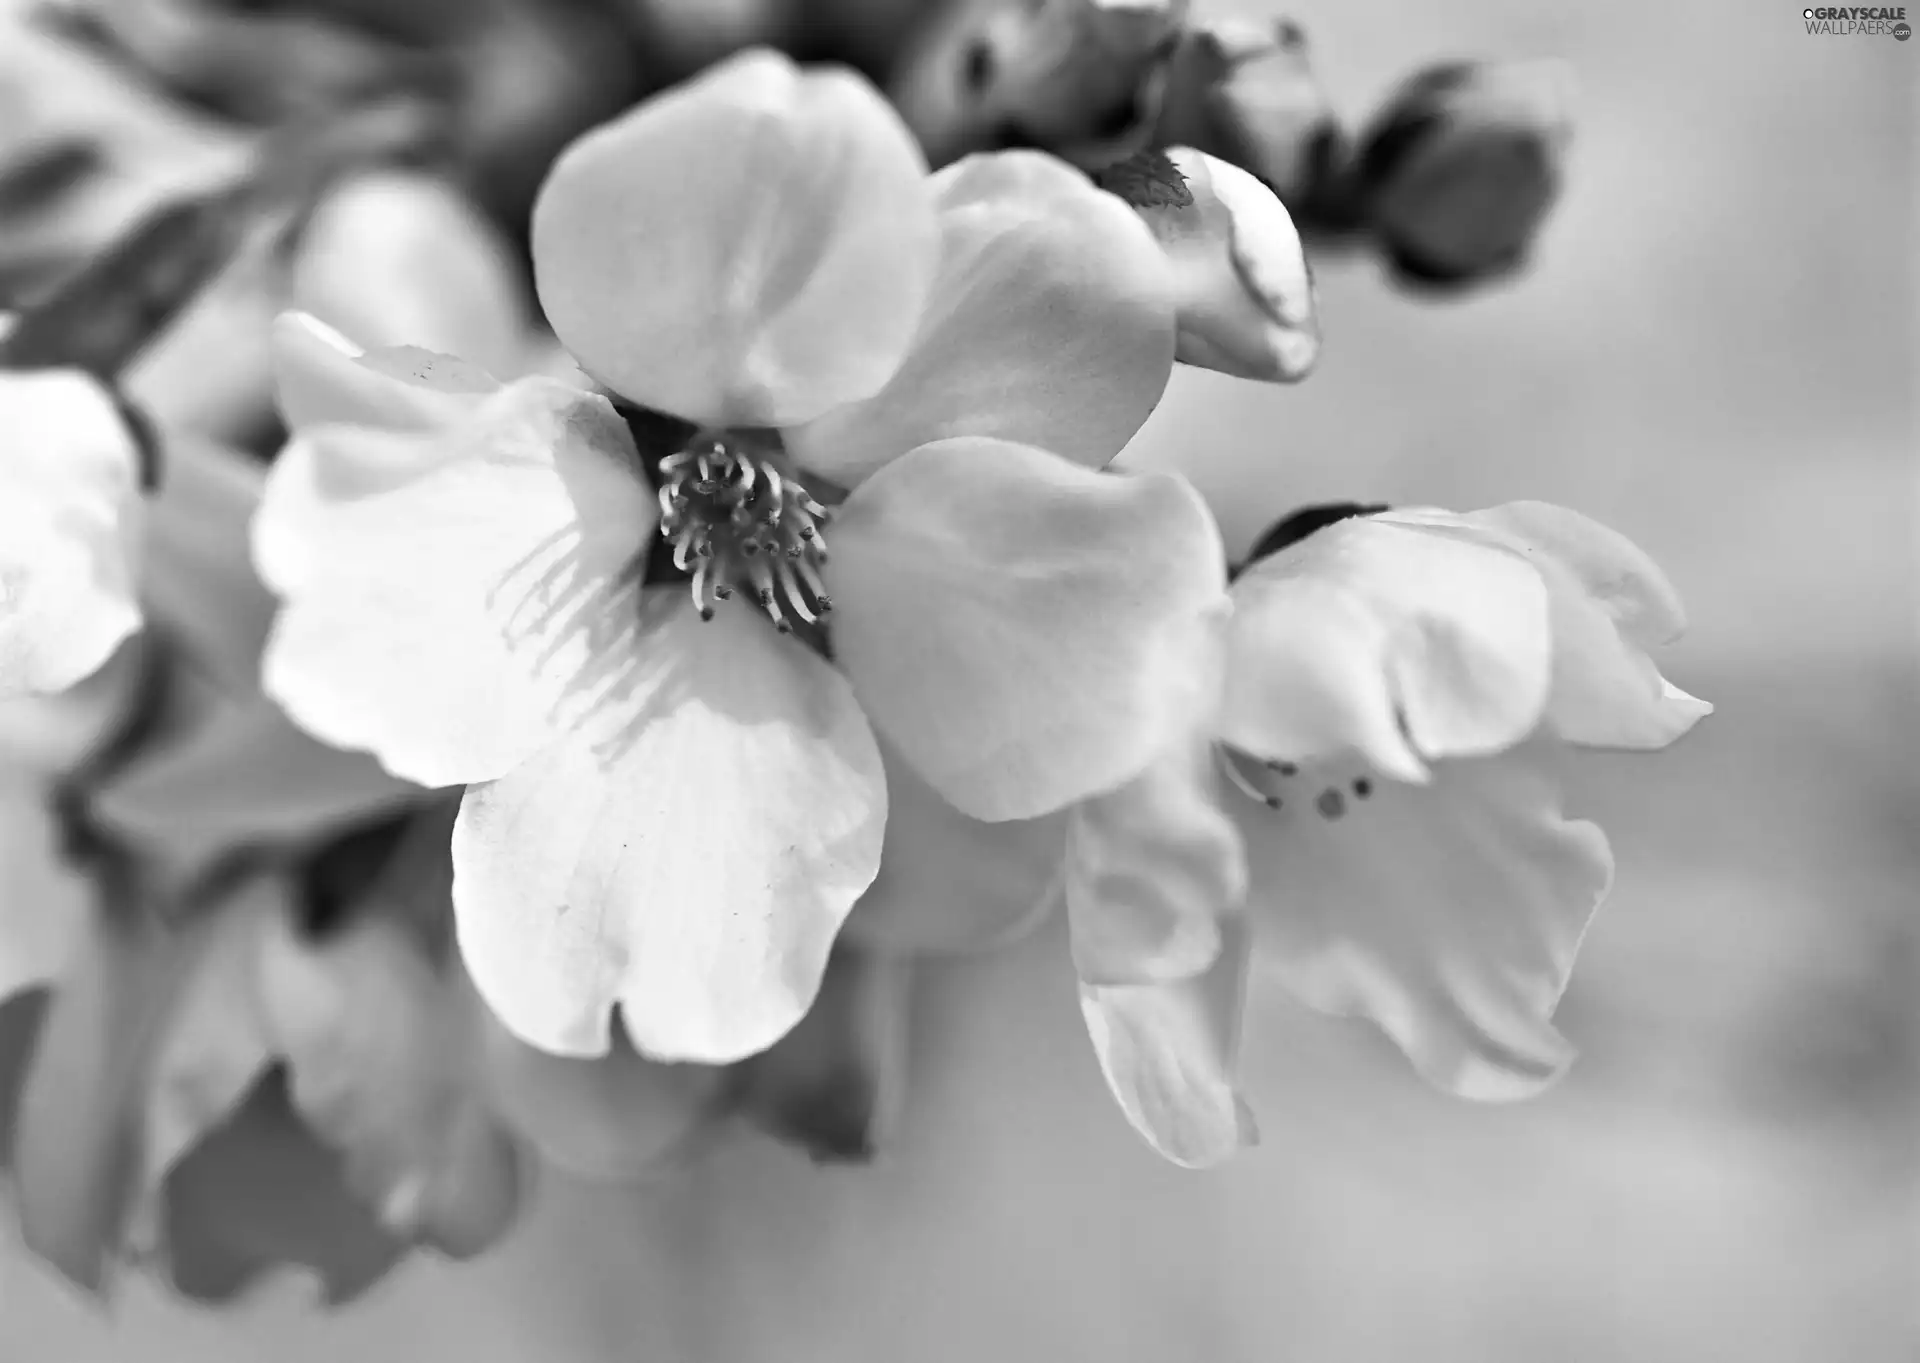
(1331, 804)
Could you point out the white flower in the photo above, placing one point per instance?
(1400, 692)
(69, 498)
(674, 796)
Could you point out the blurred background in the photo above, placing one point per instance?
(1715, 352)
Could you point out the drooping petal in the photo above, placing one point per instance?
(1448, 913)
(1387, 639)
(835, 1084)
(952, 883)
(1241, 284)
(69, 504)
(1154, 868)
(748, 249)
(1050, 324)
(1610, 604)
(1020, 627)
(1170, 1049)
(320, 376)
(690, 855)
(450, 621)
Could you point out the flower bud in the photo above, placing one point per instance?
(1247, 94)
(1458, 171)
(1242, 288)
(1080, 78)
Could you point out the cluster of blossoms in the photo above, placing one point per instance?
(589, 752)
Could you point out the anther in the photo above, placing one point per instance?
(1331, 804)
(1282, 768)
(1362, 787)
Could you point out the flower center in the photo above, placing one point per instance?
(739, 519)
(1282, 785)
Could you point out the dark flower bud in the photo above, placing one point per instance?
(1458, 171)
(1247, 94)
(1083, 79)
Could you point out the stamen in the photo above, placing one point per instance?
(1231, 767)
(738, 518)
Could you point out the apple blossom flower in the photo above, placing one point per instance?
(1401, 691)
(617, 622)
(70, 473)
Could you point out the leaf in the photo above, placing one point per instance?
(1147, 179)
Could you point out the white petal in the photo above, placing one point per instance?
(1241, 284)
(690, 856)
(1610, 604)
(322, 376)
(1023, 628)
(400, 257)
(69, 504)
(750, 248)
(1153, 869)
(448, 611)
(1448, 913)
(1389, 640)
(1050, 324)
(1170, 1051)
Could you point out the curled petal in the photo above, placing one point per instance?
(69, 503)
(1153, 868)
(1449, 914)
(948, 882)
(1170, 1049)
(1387, 639)
(1241, 283)
(1050, 324)
(320, 376)
(1610, 604)
(690, 855)
(1021, 628)
(449, 617)
(748, 249)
